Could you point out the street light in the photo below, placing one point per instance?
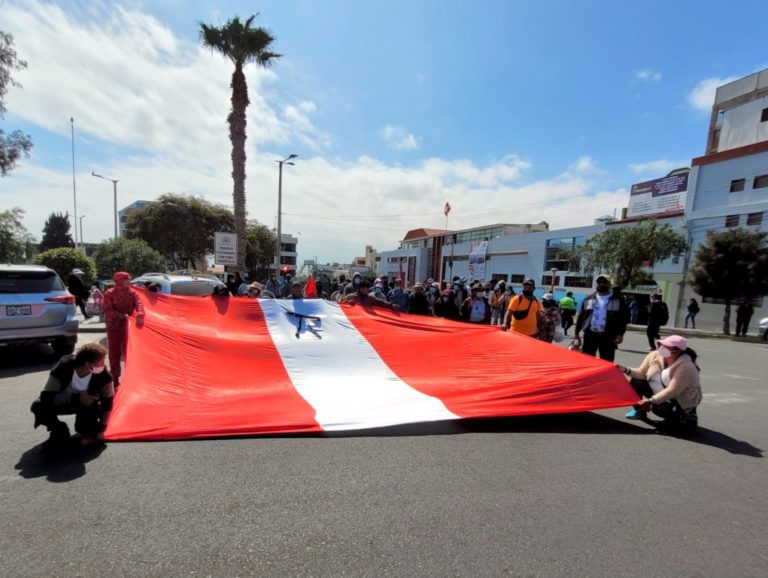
(286, 161)
(82, 242)
(114, 191)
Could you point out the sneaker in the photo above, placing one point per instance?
(635, 414)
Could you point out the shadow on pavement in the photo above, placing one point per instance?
(21, 360)
(573, 423)
(725, 442)
(68, 466)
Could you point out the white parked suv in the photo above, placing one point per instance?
(35, 307)
(191, 285)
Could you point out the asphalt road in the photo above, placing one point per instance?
(577, 495)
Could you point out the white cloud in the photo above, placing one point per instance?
(399, 138)
(130, 81)
(702, 97)
(647, 75)
(661, 166)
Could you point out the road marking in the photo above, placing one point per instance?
(740, 377)
(727, 398)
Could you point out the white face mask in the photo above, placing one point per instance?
(664, 352)
(97, 369)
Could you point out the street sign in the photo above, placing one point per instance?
(225, 249)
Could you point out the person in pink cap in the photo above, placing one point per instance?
(668, 383)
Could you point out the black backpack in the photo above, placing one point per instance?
(663, 313)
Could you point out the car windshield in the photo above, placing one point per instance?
(193, 288)
(29, 282)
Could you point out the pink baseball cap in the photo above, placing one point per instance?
(675, 342)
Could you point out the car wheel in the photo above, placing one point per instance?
(64, 346)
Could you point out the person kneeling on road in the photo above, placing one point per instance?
(78, 384)
(668, 382)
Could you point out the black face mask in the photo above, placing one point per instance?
(603, 288)
(528, 292)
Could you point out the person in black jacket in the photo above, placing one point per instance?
(78, 384)
(475, 308)
(603, 317)
(79, 290)
(658, 315)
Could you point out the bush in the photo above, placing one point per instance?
(132, 255)
(64, 259)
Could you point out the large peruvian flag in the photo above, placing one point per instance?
(218, 366)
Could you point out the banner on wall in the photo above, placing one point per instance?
(477, 252)
(665, 195)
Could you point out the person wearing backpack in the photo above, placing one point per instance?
(524, 312)
(658, 316)
(693, 310)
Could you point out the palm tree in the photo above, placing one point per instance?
(241, 43)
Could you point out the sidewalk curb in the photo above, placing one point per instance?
(697, 333)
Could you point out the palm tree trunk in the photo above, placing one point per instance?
(237, 123)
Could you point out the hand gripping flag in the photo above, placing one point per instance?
(218, 366)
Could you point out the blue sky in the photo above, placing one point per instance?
(512, 111)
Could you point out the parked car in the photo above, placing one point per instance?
(35, 307)
(190, 285)
(762, 329)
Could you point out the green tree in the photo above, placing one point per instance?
(16, 144)
(180, 228)
(260, 246)
(241, 43)
(56, 232)
(731, 265)
(64, 259)
(122, 254)
(627, 252)
(15, 241)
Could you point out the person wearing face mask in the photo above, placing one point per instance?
(668, 383)
(603, 317)
(273, 285)
(354, 285)
(495, 301)
(460, 292)
(523, 311)
(475, 308)
(446, 307)
(550, 318)
(399, 296)
(433, 294)
(78, 384)
(364, 296)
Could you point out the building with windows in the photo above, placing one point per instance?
(122, 214)
(288, 253)
(728, 186)
(422, 252)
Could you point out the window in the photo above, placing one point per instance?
(764, 115)
(737, 185)
(754, 219)
(732, 221)
(516, 278)
(496, 277)
(760, 182)
(561, 254)
(578, 282)
(29, 282)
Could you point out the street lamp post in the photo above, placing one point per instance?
(286, 161)
(82, 242)
(114, 192)
(74, 185)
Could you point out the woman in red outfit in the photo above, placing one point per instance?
(120, 303)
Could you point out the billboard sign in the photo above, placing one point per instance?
(225, 249)
(665, 195)
(477, 253)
